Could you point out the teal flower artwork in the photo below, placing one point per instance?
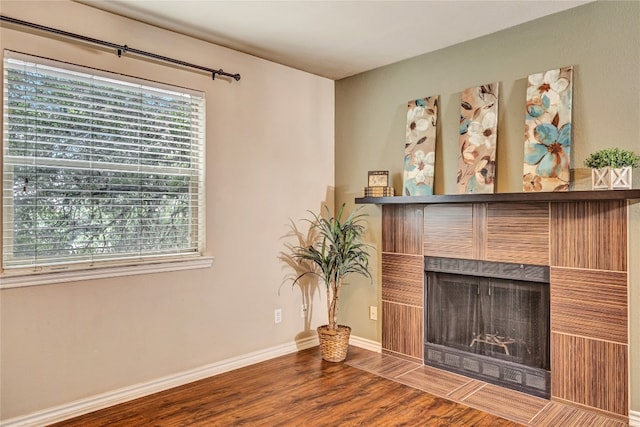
(546, 90)
(420, 147)
(547, 145)
(477, 144)
(551, 154)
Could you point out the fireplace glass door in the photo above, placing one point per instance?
(484, 322)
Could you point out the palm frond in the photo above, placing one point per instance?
(337, 251)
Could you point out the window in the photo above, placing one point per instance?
(98, 168)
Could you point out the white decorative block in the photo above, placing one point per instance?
(621, 178)
(600, 178)
(611, 178)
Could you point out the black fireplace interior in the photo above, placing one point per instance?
(489, 321)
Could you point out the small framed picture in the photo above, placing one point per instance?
(378, 178)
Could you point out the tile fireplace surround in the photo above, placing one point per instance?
(582, 236)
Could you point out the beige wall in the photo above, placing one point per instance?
(270, 157)
(601, 40)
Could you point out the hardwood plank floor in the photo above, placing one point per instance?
(292, 390)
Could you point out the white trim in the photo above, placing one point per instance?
(634, 418)
(104, 400)
(8, 282)
(366, 344)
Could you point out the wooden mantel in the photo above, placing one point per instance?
(563, 196)
(581, 235)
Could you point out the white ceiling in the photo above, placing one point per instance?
(335, 39)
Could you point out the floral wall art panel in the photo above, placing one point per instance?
(420, 147)
(547, 146)
(478, 138)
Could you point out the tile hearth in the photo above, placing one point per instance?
(512, 405)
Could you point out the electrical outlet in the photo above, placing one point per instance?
(303, 311)
(277, 315)
(373, 312)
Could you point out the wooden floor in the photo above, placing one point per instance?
(369, 389)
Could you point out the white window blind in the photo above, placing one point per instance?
(98, 168)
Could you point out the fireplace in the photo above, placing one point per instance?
(583, 236)
(489, 321)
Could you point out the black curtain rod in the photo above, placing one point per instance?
(119, 48)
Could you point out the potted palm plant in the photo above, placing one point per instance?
(336, 252)
(611, 168)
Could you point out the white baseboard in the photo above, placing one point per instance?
(366, 344)
(104, 400)
(634, 418)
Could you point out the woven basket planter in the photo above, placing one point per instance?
(334, 344)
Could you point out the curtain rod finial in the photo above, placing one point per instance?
(122, 50)
(221, 72)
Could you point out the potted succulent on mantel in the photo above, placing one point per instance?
(611, 168)
(336, 253)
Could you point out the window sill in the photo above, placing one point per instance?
(8, 281)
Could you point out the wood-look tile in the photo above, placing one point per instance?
(590, 303)
(590, 372)
(590, 235)
(384, 365)
(403, 278)
(506, 403)
(402, 329)
(559, 414)
(465, 390)
(402, 229)
(432, 380)
(402, 356)
(585, 242)
(448, 231)
(518, 232)
(479, 231)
